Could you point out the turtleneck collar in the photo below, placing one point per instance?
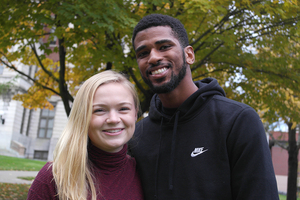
(106, 161)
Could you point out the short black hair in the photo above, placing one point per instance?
(162, 20)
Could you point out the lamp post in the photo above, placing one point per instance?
(6, 97)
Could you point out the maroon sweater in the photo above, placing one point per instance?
(115, 173)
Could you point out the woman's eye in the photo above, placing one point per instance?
(124, 109)
(98, 110)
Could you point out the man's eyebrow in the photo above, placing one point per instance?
(140, 48)
(163, 41)
(157, 42)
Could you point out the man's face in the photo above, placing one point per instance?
(160, 58)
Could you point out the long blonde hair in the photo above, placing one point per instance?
(71, 171)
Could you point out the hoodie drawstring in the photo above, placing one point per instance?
(171, 172)
(157, 159)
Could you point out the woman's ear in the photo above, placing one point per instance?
(189, 55)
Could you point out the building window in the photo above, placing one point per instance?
(1, 69)
(28, 122)
(41, 155)
(53, 42)
(29, 72)
(54, 39)
(46, 123)
(23, 119)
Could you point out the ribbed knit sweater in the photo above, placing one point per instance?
(115, 174)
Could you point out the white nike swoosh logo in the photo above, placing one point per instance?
(193, 154)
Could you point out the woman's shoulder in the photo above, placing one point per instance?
(45, 174)
(43, 186)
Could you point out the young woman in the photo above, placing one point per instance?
(90, 160)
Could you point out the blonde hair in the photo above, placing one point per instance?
(71, 169)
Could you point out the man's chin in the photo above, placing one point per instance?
(165, 88)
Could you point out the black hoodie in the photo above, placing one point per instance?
(209, 148)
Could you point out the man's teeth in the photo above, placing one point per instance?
(159, 71)
(114, 131)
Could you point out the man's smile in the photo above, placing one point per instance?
(158, 71)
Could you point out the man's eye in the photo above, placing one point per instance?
(142, 54)
(164, 47)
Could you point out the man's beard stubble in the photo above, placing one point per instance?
(172, 84)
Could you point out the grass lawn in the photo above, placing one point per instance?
(28, 178)
(283, 197)
(10, 191)
(20, 164)
(13, 191)
(19, 191)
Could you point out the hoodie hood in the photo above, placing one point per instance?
(206, 88)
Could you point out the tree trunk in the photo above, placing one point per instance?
(292, 164)
(62, 82)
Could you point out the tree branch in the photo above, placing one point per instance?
(41, 64)
(277, 142)
(27, 76)
(137, 83)
(38, 36)
(207, 56)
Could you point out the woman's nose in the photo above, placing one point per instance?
(113, 117)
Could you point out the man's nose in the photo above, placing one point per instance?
(154, 57)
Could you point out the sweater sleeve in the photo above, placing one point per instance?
(43, 186)
(252, 170)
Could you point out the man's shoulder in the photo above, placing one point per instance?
(143, 121)
(230, 102)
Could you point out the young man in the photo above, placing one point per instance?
(195, 143)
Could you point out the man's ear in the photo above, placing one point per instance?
(189, 55)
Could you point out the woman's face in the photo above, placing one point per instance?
(113, 117)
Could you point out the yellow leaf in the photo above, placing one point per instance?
(294, 125)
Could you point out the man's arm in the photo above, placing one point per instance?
(252, 172)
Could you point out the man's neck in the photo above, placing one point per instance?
(175, 98)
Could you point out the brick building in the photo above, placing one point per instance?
(280, 160)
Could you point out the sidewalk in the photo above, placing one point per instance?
(11, 176)
(282, 183)
(5, 152)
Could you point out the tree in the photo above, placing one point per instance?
(4, 87)
(234, 42)
(249, 46)
(82, 28)
(221, 33)
(293, 151)
(285, 103)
